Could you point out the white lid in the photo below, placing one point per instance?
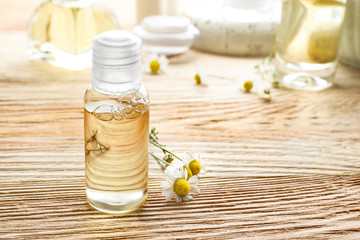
(167, 32)
(165, 24)
(116, 57)
(247, 4)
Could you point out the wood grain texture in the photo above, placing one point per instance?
(285, 169)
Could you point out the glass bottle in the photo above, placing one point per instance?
(350, 38)
(60, 31)
(307, 43)
(116, 125)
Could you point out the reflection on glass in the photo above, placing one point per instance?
(61, 31)
(307, 43)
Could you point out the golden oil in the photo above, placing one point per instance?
(116, 155)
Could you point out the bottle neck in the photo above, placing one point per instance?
(116, 80)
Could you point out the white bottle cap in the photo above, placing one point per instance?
(116, 66)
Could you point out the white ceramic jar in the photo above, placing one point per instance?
(236, 27)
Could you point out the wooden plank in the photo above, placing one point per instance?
(285, 169)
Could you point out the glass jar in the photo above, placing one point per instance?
(60, 31)
(350, 38)
(307, 43)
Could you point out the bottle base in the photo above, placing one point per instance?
(116, 202)
(52, 55)
(305, 76)
(305, 81)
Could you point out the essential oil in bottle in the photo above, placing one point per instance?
(116, 124)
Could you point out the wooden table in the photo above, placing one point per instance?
(284, 169)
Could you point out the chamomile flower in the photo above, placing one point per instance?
(264, 93)
(194, 163)
(245, 85)
(248, 85)
(168, 158)
(178, 186)
(177, 164)
(200, 78)
(155, 63)
(257, 85)
(263, 90)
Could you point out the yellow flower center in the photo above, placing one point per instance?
(195, 167)
(267, 91)
(248, 85)
(181, 187)
(168, 158)
(197, 79)
(189, 172)
(154, 66)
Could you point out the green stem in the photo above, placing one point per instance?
(154, 139)
(160, 146)
(160, 161)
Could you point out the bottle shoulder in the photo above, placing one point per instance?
(94, 99)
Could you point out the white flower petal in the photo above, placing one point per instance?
(194, 189)
(203, 168)
(167, 184)
(167, 192)
(240, 83)
(176, 163)
(202, 164)
(189, 154)
(203, 77)
(163, 60)
(168, 195)
(187, 197)
(173, 171)
(264, 93)
(193, 180)
(205, 81)
(178, 198)
(187, 158)
(184, 173)
(170, 177)
(150, 57)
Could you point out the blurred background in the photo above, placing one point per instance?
(307, 34)
(18, 13)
